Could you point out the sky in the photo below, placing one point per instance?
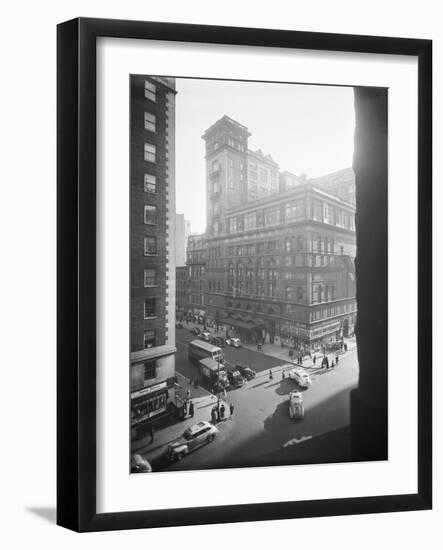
(306, 129)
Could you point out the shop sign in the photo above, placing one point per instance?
(151, 389)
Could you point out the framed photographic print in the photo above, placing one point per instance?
(244, 274)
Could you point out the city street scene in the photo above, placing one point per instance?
(243, 288)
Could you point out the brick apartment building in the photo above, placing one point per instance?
(152, 180)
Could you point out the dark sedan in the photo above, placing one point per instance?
(246, 371)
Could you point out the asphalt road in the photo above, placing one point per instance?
(261, 423)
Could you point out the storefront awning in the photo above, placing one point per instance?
(239, 323)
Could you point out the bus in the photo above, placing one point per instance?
(198, 349)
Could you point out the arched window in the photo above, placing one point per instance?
(272, 278)
(240, 277)
(260, 279)
(249, 278)
(231, 275)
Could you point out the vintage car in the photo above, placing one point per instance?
(193, 438)
(235, 378)
(246, 371)
(234, 342)
(205, 336)
(139, 464)
(300, 377)
(296, 408)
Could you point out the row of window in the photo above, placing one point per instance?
(214, 285)
(150, 244)
(323, 293)
(326, 312)
(292, 211)
(290, 244)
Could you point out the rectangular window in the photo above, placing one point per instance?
(294, 210)
(263, 175)
(232, 225)
(150, 90)
(150, 214)
(317, 210)
(149, 340)
(150, 121)
(150, 277)
(150, 183)
(150, 152)
(150, 370)
(150, 309)
(272, 216)
(250, 220)
(150, 246)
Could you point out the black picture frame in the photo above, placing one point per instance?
(76, 294)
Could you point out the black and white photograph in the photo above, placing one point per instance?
(243, 306)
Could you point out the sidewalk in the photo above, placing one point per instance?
(278, 352)
(282, 353)
(154, 452)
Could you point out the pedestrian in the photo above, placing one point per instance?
(231, 409)
(224, 393)
(326, 362)
(151, 433)
(222, 411)
(214, 415)
(336, 359)
(314, 359)
(270, 374)
(283, 374)
(188, 394)
(191, 409)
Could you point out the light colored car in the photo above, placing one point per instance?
(139, 464)
(296, 407)
(300, 377)
(205, 336)
(234, 342)
(193, 437)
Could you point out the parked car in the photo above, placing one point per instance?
(300, 377)
(139, 464)
(178, 325)
(296, 407)
(193, 437)
(205, 336)
(221, 342)
(195, 331)
(234, 342)
(246, 371)
(235, 378)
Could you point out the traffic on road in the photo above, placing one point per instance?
(266, 403)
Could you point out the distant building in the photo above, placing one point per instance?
(288, 180)
(152, 181)
(180, 240)
(196, 266)
(262, 175)
(279, 267)
(181, 300)
(340, 183)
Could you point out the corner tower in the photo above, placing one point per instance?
(226, 171)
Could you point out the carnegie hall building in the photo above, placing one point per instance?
(280, 248)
